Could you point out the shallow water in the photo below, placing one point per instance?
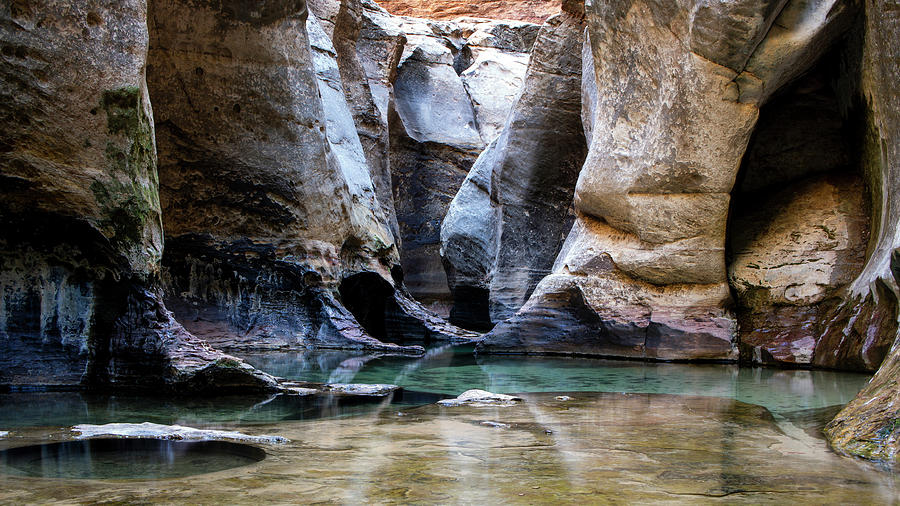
(452, 370)
(594, 448)
(664, 433)
(126, 458)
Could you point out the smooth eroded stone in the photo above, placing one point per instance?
(80, 299)
(670, 122)
(507, 221)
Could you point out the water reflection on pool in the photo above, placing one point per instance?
(442, 372)
(451, 370)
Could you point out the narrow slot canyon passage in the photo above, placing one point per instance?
(386, 252)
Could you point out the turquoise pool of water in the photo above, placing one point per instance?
(443, 372)
(451, 370)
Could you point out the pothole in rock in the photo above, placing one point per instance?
(117, 459)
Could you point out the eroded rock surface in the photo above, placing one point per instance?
(269, 199)
(80, 299)
(175, 432)
(512, 211)
(642, 273)
(868, 426)
(455, 83)
(476, 397)
(792, 255)
(532, 11)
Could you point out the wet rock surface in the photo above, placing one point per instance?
(476, 397)
(636, 447)
(868, 425)
(82, 235)
(175, 432)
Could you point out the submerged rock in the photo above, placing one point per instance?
(476, 397)
(377, 390)
(175, 432)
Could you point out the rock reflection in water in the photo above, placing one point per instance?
(452, 370)
(594, 447)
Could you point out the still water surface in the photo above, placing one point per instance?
(443, 372)
(664, 433)
(451, 370)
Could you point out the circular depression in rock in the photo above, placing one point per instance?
(127, 458)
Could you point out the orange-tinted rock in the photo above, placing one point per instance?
(533, 11)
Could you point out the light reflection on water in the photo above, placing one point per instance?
(442, 372)
(450, 371)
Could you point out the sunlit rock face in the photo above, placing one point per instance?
(869, 426)
(533, 11)
(511, 214)
(678, 89)
(80, 302)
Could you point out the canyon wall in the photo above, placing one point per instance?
(508, 220)
(642, 273)
(868, 426)
(81, 300)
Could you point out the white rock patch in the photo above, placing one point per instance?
(177, 432)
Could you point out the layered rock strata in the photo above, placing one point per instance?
(642, 273)
(268, 198)
(511, 213)
(799, 222)
(80, 297)
(533, 11)
(868, 426)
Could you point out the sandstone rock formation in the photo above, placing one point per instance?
(509, 218)
(533, 11)
(453, 86)
(868, 425)
(642, 273)
(276, 236)
(82, 238)
(799, 221)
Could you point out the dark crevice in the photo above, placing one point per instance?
(367, 295)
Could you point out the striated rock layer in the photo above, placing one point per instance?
(676, 97)
(532, 11)
(799, 221)
(869, 426)
(80, 297)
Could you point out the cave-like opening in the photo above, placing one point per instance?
(800, 212)
(367, 296)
